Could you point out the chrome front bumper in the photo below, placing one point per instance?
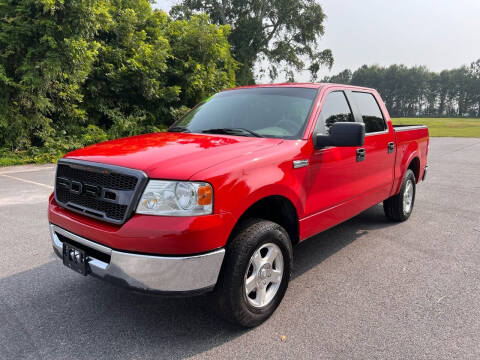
(147, 273)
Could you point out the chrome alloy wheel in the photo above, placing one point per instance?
(408, 197)
(264, 275)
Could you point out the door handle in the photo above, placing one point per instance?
(360, 154)
(391, 147)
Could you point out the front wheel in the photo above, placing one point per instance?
(400, 206)
(255, 273)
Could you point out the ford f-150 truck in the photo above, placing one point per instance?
(216, 203)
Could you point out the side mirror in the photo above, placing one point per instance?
(342, 134)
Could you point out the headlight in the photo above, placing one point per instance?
(176, 198)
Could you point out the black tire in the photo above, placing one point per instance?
(229, 294)
(394, 206)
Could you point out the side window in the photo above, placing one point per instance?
(370, 111)
(335, 108)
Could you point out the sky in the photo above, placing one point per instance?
(440, 34)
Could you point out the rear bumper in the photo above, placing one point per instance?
(172, 275)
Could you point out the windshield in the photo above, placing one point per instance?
(279, 112)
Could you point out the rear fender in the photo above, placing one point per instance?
(408, 155)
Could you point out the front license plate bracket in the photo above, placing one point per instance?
(75, 258)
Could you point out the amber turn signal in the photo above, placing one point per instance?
(205, 195)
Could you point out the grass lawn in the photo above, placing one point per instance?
(445, 127)
(23, 157)
(7, 161)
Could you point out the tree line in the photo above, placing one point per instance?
(80, 71)
(416, 91)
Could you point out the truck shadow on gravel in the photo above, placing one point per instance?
(51, 312)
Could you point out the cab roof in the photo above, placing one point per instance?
(301, 85)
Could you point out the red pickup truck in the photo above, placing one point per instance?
(216, 203)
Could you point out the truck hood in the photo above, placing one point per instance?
(171, 155)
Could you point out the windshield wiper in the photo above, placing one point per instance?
(179, 129)
(232, 131)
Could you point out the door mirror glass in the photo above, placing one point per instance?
(342, 134)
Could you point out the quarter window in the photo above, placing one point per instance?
(335, 109)
(370, 111)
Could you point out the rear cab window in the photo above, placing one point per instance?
(370, 111)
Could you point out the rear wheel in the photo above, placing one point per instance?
(255, 273)
(400, 206)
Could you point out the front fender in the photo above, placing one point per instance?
(267, 191)
(242, 182)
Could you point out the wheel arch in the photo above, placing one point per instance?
(414, 165)
(277, 208)
(408, 157)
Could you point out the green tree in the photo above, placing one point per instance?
(201, 63)
(73, 72)
(474, 86)
(127, 90)
(344, 77)
(46, 52)
(149, 65)
(283, 33)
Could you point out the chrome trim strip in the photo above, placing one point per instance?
(149, 273)
(377, 132)
(300, 163)
(409, 127)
